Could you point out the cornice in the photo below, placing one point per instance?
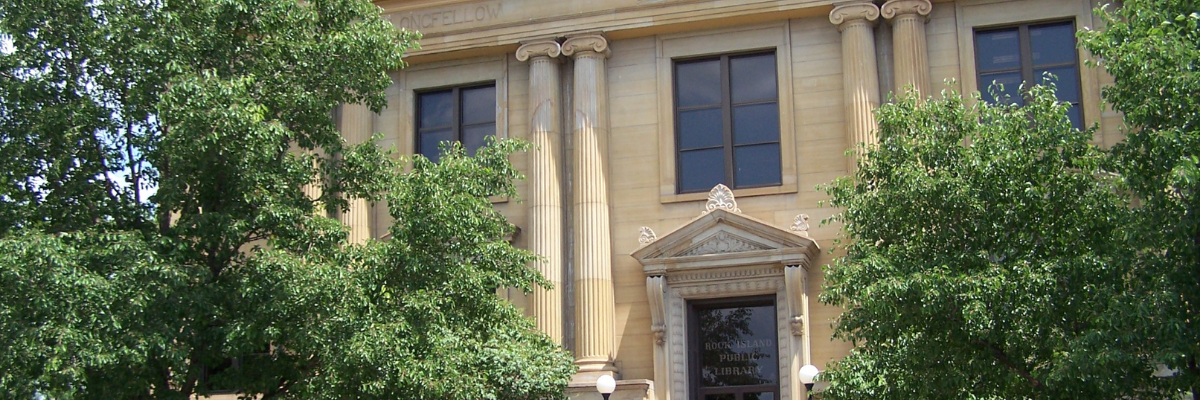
(538, 48)
(850, 12)
(893, 8)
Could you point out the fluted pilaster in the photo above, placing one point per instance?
(859, 72)
(911, 54)
(594, 303)
(545, 176)
(356, 128)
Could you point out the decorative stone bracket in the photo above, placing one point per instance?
(796, 280)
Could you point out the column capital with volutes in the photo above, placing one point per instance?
(586, 44)
(851, 12)
(538, 48)
(916, 8)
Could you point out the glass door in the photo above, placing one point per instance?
(733, 351)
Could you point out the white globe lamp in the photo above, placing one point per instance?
(808, 375)
(606, 385)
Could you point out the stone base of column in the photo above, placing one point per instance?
(633, 389)
(589, 377)
(592, 368)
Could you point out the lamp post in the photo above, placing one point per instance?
(606, 385)
(808, 375)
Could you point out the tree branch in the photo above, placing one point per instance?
(286, 384)
(1003, 358)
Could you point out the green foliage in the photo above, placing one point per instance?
(155, 240)
(984, 260)
(1152, 50)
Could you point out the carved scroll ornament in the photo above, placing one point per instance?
(797, 325)
(800, 225)
(540, 48)
(585, 43)
(720, 197)
(852, 12)
(900, 7)
(646, 236)
(721, 243)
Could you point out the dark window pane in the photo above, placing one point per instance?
(698, 83)
(1066, 82)
(474, 137)
(430, 140)
(997, 50)
(436, 109)
(756, 123)
(1010, 93)
(756, 165)
(759, 396)
(700, 128)
(700, 170)
(752, 78)
(479, 105)
(1052, 44)
(737, 346)
(1076, 116)
(723, 396)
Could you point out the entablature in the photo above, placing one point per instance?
(472, 27)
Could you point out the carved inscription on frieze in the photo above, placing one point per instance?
(447, 18)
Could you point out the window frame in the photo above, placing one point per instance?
(751, 38)
(728, 145)
(972, 15)
(1027, 67)
(456, 124)
(397, 122)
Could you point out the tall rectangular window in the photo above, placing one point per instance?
(461, 114)
(727, 122)
(1025, 53)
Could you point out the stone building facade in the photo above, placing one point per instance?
(679, 145)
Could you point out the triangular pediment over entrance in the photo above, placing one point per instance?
(724, 254)
(723, 238)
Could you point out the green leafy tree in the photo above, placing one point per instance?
(1152, 50)
(156, 241)
(984, 260)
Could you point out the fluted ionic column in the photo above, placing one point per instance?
(859, 72)
(314, 189)
(545, 178)
(594, 303)
(910, 53)
(356, 129)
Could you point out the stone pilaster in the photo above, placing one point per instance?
(859, 72)
(911, 54)
(545, 182)
(594, 303)
(356, 129)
